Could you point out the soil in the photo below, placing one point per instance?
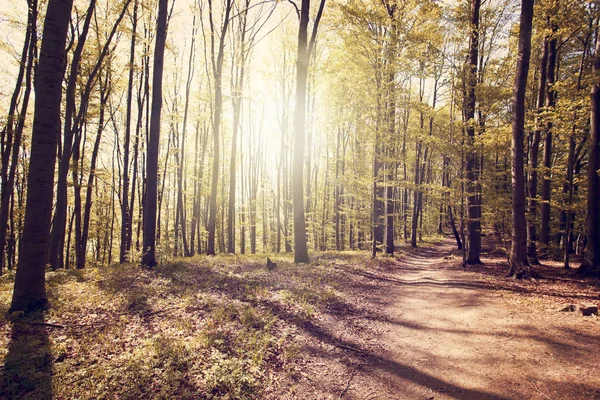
(419, 326)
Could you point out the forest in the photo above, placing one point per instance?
(240, 199)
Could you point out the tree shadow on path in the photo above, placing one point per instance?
(27, 368)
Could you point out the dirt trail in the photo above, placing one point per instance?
(439, 333)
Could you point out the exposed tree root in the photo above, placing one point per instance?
(520, 271)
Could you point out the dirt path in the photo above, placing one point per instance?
(436, 332)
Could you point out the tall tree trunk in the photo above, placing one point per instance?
(547, 157)
(180, 171)
(57, 239)
(75, 173)
(217, 65)
(337, 196)
(279, 198)
(591, 256)
(419, 167)
(142, 99)
(125, 211)
(568, 212)
(405, 192)
(243, 210)
(73, 121)
(533, 162)
(472, 167)
(30, 289)
(300, 246)
(238, 85)
(149, 243)
(195, 208)
(519, 265)
(569, 184)
(13, 132)
(390, 178)
(104, 92)
(378, 190)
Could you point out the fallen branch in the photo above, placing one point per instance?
(538, 390)
(346, 388)
(348, 384)
(343, 346)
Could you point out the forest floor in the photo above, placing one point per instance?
(413, 326)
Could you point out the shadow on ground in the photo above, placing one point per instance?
(27, 367)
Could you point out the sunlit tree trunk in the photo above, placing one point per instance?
(519, 265)
(180, 208)
(238, 85)
(217, 66)
(337, 196)
(300, 246)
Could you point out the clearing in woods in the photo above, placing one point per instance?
(416, 326)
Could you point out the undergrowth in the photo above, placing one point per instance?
(216, 328)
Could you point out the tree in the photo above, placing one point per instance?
(591, 257)
(59, 221)
(217, 67)
(125, 210)
(519, 265)
(300, 246)
(472, 164)
(149, 256)
(533, 161)
(548, 133)
(30, 286)
(179, 209)
(304, 51)
(13, 132)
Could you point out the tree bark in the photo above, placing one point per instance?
(569, 186)
(454, 230)
(591, 255)
(472, 167)
(217, 65)
(238, 85)
(180, 170)
(30, 289)
(13, 132)
(104, 93)
(300, 246)
(547, 156)
(57, 239)
(519, 265)
(125, 211)
(533, 163)
(149, 241)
